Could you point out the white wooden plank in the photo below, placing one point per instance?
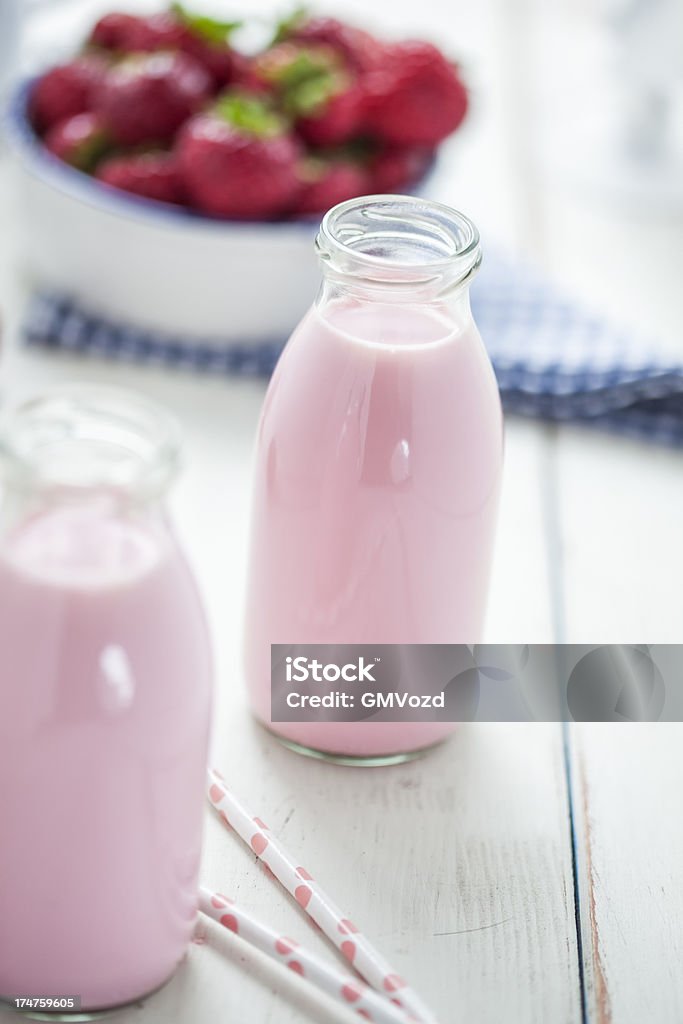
(621, 508)
(458, 865)
(627, 783)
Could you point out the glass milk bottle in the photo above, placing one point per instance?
(378, 463)
(105, 693)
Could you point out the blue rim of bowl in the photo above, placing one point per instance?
(84, 188)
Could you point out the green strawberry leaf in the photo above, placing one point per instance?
(305, 81)
(249, 113)
(309, 95)
(304, 67)
(210, 29)
(289, 25)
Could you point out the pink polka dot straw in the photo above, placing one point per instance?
(334, 924)
(345, 988)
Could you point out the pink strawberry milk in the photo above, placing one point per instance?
(378, 463)
(105, 692)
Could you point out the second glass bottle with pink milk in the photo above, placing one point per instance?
(378, 463)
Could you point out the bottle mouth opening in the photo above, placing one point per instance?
(83, 437)
(399, 239)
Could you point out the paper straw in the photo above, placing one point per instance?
(338, 928)
(344, 988)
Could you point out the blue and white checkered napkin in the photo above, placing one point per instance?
(553, 360)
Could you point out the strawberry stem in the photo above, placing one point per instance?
(249, 113)
(288, 25)
(210, 29)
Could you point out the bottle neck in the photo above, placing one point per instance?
(453, 304)
(88, 448)
(398, 255)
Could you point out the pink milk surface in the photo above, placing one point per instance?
(104, 715)
(376, 493)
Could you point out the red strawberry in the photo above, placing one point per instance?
(247, 76)
(238, 161)
(80, 140)
(220, 61)
(208, 41)
(162, 31)
(65, 91)
(129, 33)
(416, 98)
(360, 50)
(334, 119)
(288, 65)
(396, 167)
(152, 175)
(316, 89)
(117, 31)
(329, 183)
(145, 99)
(202, 38)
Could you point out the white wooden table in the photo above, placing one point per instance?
(519, 873)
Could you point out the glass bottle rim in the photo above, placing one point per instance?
(82, 436)
(396, 239)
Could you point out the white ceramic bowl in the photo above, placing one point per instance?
(153, 266)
